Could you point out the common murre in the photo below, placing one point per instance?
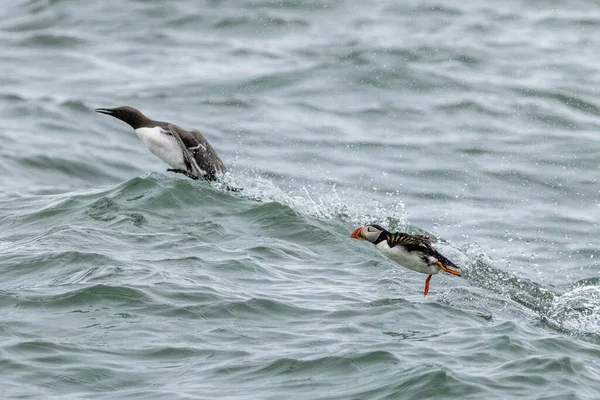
(186, 152)
(411, 251)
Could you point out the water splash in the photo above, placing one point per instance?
(320, 201)
(576, 311)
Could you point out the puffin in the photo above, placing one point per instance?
(414, 252)
(185, 151)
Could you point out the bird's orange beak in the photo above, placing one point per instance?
(357, 233)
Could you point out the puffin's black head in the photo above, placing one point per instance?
(126, 114)
(370, 232)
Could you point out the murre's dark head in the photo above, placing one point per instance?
(127, 114)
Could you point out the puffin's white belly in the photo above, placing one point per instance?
(408, 259)
(164, 147)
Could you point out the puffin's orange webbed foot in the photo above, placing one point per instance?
(448, 270)
(427, 285)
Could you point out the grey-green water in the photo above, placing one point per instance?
(475, 121)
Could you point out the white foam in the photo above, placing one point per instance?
(322, 201)
(578, 310)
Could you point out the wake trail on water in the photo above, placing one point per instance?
(575, 311)
(327, 203)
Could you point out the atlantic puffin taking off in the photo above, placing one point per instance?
(411, 251)
(186, 152)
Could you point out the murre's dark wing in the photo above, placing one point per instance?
(199, 156)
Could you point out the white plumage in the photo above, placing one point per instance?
(409, 259)
(414, 252)
(162, 145)
(185, 151)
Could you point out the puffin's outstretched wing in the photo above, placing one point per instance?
(417, 243)
(407, 240)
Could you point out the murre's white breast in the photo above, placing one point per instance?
(162, 145)
(408, 259)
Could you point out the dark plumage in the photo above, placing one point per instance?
(186, 151)
(412, 251)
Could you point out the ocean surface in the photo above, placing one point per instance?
(475, 122)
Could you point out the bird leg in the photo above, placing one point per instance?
(427, 285)
(181, 171)
(191, 176)
(448, 270)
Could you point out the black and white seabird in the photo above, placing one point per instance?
(186, 152)
(411, 251)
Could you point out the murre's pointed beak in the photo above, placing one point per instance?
(357, 234)
(106, 111)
